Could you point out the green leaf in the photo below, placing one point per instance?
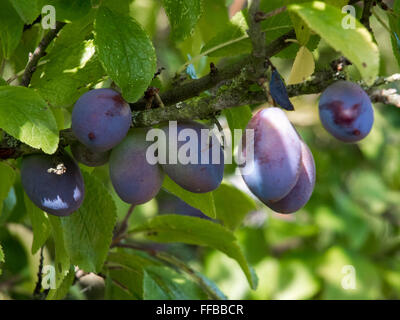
(29, 42)
(133, 260)
(394, 23)
(129, 280)
(40, 225)
(183, 16)
(356, 44)
(26, 116)
(277, 26)
(28, 10)
(126, 52)
(237, 118)
(214, 19)
(132, 272)
(176, 228)
(69, 10)
(3, 82)
(88, 232)
(115, 291)
(303, 66)
(202, 201)
(72, 66)
(68, 74)
(162, 283)
(7, 178)
(233, 40)
(303, 32)
(62, 259)
(118, 6)
(232, 205)
(62, 290)
(11, 27)
(291, 51)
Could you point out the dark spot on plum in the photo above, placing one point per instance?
(119, 101)
(91, 136)
(356, 132)
(341, 115)
(117, 98)
(109, 113)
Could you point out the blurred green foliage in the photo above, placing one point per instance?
(345, 244)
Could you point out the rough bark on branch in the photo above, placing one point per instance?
(197, 86)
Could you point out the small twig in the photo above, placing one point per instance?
(158, 72)
(149, 102)
(38, 287)
(213, 69)
(159, 101)
(255, 32)
(120, 233)
(366, 14)
(383, 81)
(386, 96)
(260, 16)
(151, 94)
(39, 52)
(29, 26)
(20, 73)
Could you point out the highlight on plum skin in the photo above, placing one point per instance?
(277, 155)
(134, 179)
(101, 118)
(346, 111)
(302, 191)
(53, 183)
(195, 177)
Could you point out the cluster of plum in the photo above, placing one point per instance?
(283, 168)
(101, 121)
(283, 175)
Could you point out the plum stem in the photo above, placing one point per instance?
(120, 233)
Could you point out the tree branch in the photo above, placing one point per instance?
(260, 16)
(197, 86)
(233, 94)
(256, 35)
(231, 82)
(39, 52)
(38, 286)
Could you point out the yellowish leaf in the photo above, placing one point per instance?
(303, 66)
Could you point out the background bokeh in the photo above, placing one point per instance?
(352, 219)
